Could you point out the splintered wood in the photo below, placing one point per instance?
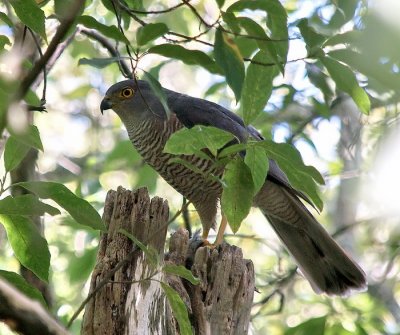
(133, 302)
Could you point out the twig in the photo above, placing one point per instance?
(39, 48)
(163, 11)
(106, 44)
(301, 127)
(118, 16)
(195, 12)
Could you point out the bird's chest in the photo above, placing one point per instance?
(194, 177)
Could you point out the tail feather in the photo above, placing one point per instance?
(322, 261)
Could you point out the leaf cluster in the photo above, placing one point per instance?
(245, 166)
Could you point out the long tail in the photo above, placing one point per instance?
(322, 261)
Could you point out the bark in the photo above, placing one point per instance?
(133, 304)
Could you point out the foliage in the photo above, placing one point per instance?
(250, 51)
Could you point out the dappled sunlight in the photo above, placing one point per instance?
(381, 192)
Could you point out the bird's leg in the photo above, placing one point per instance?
(221, 231)
(204, 235)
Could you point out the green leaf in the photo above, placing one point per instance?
(258, 163)
(108, 31)
(3, 41)
(29, 137)
(31, 15)
(190, 57)
(150, 32)
(190, 141)
(375, 70)
(237, 194)
(232, 149)
(23, 286)
(348, 37)
(313, 39)
(228, 57)
(78, 208)
(26, 204)
(99, 63)
(135, 4)
(179, 309)
(301, 177)
(263, 41)
(14, 152)
(151, 254)
(320, 80)
(345, 10)
(158, 91)
(276, 22)
(28, 245)
(347, 82)
(314, 326)
(220, 3)
(31, 98)
(212, 138)
(181, 271)
(257, 87)
(6, 19)
(63, 7)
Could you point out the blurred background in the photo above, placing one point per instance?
(358, 154)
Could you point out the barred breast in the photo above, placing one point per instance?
(149, 138)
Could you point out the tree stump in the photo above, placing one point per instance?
(130, 303)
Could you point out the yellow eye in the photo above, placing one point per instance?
(126, 92)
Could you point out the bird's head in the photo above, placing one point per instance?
(133, 101)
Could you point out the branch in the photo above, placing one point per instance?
(167, 10)
(66, 23)
(24, 315)
(110, 48)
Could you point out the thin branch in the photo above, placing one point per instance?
(117, 6)
(39, 48)
(53, 59)
(110, 48)
(163, 11)
(195, 12)
(190, 38)
(301, 127)
(24, 315)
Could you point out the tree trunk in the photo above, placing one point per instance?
(133, 304)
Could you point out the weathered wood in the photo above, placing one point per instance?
(219, 305)
(121, 307)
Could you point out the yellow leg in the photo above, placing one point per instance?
(204, 235)
(221, 231)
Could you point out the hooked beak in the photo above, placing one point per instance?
(105, 104)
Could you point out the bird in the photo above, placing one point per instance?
(327, 267)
